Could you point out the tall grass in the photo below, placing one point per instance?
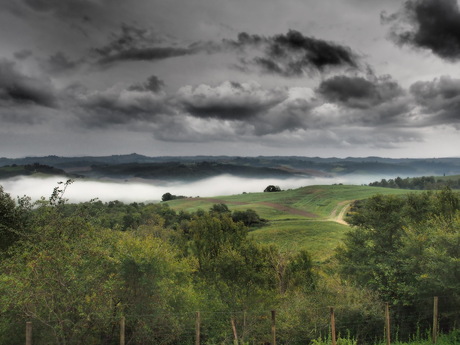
(452, 338)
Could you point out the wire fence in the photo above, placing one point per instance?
(377, 324)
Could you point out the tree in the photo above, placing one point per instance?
(272, 188)
(166, 197)
(12, 219)
(248, 217)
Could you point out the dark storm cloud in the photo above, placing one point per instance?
(17, 89)
(229, 100)
(433, 25)
(289, 55)
(294, 54)
(358, 92)
(439, 98)
(133, 43)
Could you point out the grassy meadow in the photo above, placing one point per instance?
(308, 218)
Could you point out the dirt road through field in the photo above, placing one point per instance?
(338, 213)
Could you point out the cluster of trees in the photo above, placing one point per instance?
(418, 183)
(168, 196)
(272, 188)
(407, 250)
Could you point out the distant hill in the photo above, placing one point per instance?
(198, 167)
(30, 169)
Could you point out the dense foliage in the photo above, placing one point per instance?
(75, 270)
(407, 249)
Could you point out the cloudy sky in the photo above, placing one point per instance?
(233, 77)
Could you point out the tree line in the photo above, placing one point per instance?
(418, 183)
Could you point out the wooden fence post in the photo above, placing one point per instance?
(197, 328)
(387, 323)
(122, 330)
(334, 340)
(435, 320)
(28, 333)
(273, 327)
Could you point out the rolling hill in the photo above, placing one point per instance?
(308, 218)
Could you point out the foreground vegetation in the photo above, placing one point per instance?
(75, 270)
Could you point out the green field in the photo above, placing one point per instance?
(308, 218)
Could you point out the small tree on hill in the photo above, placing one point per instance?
(272, 188)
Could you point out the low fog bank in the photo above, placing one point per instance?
(84, 190)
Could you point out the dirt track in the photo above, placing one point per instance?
(336, 215)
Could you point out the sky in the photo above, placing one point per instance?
(333, 78)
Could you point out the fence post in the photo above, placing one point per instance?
(197, 328)
(122, 330)
(435, 320)
(387, 323)
(28, 333)
(273, 327)
(334, 341)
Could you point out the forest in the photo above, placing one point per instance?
(76, 270)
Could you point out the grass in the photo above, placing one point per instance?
(319, 238)
(303, 218)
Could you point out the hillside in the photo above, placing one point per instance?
(31, 169)
(192, 168)
(308, 218)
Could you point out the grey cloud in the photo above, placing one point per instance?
(60, 63)
(439, 98)
(391, 138)
(120, 107)
(229, 100)
(433, 25)
(17, 89)
(153, 84)
(289, 55)
(293, 54)
(79, 9)
(23, 54)
(133, 43)
(358, 92)
(143, 54)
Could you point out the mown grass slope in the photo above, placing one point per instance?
(308, 218)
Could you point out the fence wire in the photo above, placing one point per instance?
(364, 324)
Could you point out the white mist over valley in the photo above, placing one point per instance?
(82, 190)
